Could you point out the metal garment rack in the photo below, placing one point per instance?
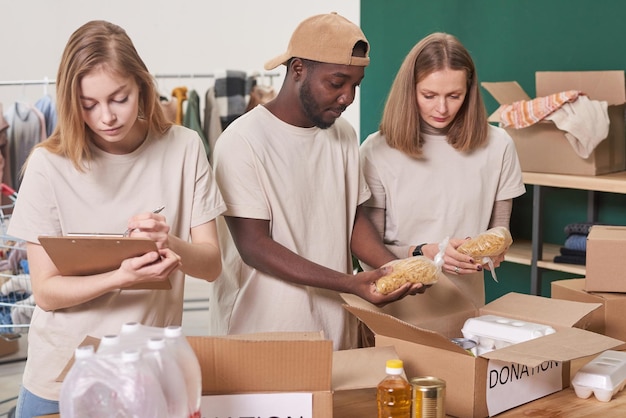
(46, 81)
(210, 75)
(27, 82)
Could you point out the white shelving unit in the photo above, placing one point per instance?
(539, 255)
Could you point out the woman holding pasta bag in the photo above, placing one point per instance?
(438, 170)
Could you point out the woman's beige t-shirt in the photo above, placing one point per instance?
(446, 194)
(55, 199)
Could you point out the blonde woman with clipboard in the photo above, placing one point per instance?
(112, 159)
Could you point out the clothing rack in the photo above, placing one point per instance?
(27, 82)
(45, 81)
(209, 75)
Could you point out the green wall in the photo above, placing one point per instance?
(509, 40)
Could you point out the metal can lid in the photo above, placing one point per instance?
(464, 343)
(427, 382)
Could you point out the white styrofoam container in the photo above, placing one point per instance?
(492, 332)
(603, 376)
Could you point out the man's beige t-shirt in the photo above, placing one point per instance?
(307, 183)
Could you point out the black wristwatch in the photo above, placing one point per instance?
(418, 250)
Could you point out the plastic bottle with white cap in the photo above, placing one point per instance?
(165, 367)
(74, 392)
(139, 391)
(110, 344)
(190, 366)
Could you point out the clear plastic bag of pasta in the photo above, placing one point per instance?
(487, 245)
(417, 269)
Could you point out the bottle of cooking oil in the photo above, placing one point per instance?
(394, 392)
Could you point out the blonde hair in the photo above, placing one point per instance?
(97, 44)
(400, 123)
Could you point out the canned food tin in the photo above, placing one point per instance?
(466, 344)
(428, 397)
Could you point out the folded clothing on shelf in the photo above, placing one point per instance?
(574, 249)
(569, 256)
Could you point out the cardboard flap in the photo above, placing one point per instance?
(554, 312)
(598, 85)
(567, 344)
(360, 368)
(389, 326)
(607, 232)
(232, 365)
(505, 92)
(278, 336)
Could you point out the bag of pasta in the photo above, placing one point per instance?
(417, 269)
(490, 243)
(487, 245)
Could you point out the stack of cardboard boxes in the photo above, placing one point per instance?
(605, 281)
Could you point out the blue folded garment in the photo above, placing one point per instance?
(576, 242)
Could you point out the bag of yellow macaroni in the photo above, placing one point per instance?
(417, 269)
(491, 243)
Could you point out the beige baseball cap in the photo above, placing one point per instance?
(328, 38)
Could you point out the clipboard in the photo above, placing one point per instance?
(87, 255)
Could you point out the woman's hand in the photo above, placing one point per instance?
(150, 267)
(150, 225)
(457, 263)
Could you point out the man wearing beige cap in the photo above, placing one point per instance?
(289, 173)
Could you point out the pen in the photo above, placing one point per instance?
(157, 210)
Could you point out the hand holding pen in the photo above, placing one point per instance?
(135, 219)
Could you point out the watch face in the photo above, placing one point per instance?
(418, 250)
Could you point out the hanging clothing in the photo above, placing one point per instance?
(191, 118)
(260, 95)
(231, 94)
(5, 165)
(169, 107)
(180, 93)
(212, 122)
(26, 129)
(48, 109)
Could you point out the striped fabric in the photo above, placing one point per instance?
(524, 113)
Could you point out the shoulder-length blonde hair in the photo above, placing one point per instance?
(400, 123)
(97, 44)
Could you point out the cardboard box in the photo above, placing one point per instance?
(609, 320)
(500, 379)
(537, 145)
(8, 346)
(606, 264)
(256, 364)
(268, 363)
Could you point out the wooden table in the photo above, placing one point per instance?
(563, 404)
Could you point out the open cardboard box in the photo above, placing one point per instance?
(277, 363)
(500, 379)
(537, 145)
(268, 363)
(606, 264)
(609, 320)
